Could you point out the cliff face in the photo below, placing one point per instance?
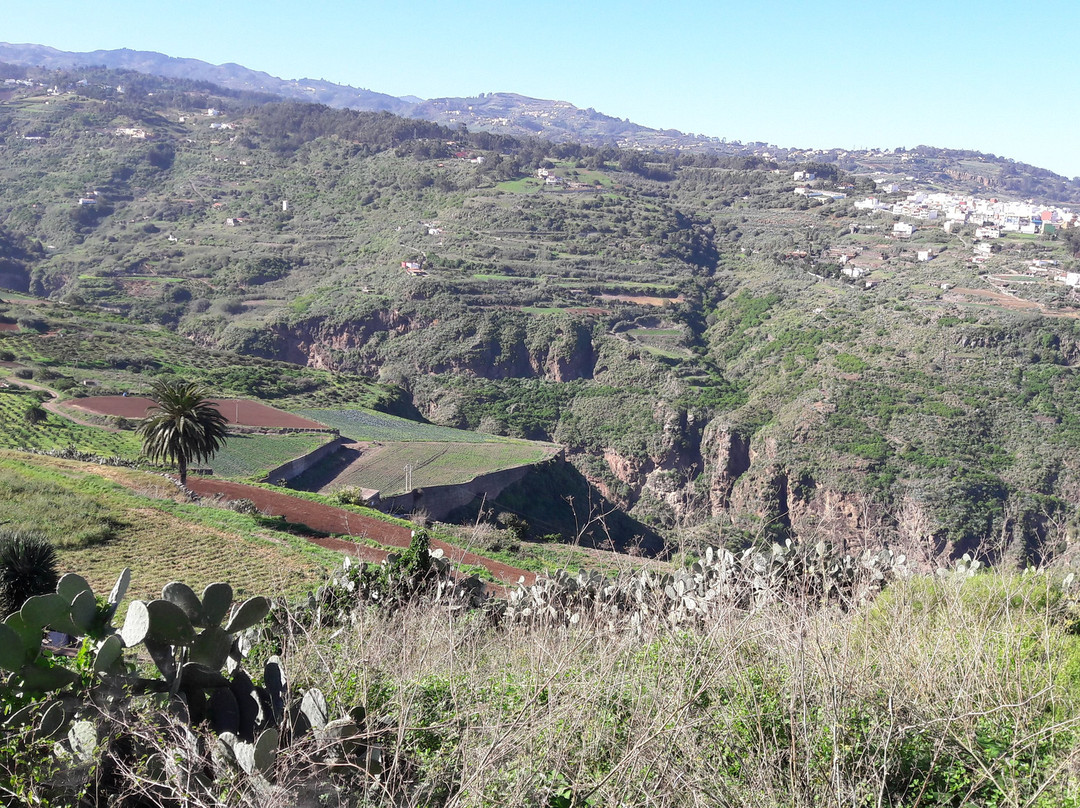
(726, 457)
(697, 470)
(358, 345)
(320, 345)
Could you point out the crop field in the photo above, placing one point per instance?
(643, 300)
(593, 310)
(236, 410)
(254, 455)
(367, 425)
(663, 342)
(54, 432)
(525, 185)
(383, 467)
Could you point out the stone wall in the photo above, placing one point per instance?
(438, 500)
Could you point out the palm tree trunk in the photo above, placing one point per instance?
(181, 463)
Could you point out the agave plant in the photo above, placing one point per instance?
(182, 425)
(27, 568)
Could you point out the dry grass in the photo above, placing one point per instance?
(942, 693)
(160, 547)
(143, 522)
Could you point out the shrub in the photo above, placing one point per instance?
(27, 568)
(33, 324)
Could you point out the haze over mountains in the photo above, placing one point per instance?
(506, 113)
(558, 121)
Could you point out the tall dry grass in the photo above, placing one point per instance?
(955, 691)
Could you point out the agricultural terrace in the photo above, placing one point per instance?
(46, 430)
(382, 467)
(238, 411)
(254, 455)
(367, 425)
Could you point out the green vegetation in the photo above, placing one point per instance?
(100, 518)
(686, 334)
(382, 467)
(853, 695)
(182, 426)
(368, 425)
(27, 568)
(50, 431)
(245, 455)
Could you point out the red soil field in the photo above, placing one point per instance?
(328, 519)
(9, 326)
(239, 411)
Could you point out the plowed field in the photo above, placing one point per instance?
(328, 519)
(239, 411)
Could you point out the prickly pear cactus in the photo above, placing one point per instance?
(719, 580)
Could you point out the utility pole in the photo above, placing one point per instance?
(408, 476)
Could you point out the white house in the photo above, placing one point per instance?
(903, 229)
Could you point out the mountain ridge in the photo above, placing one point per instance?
(561, 122)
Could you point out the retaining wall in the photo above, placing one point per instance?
(438, 500)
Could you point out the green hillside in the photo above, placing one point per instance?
(679, 323)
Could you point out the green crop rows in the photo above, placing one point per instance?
(383, 467)
(55, 432)
(254, 455)
(369, 425)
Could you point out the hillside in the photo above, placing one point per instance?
(560, 122)
(681, 324)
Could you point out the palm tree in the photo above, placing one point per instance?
(182, 426)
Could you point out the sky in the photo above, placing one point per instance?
(991, 76)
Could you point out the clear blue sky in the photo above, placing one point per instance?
(993, 76)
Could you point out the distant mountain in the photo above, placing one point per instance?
(519, 115)
(503, 113)
(232, 76)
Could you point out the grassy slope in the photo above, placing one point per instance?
(367, 425)
(253, 455)
(104, 519)
(382, 467)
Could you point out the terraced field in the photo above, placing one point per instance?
(54, 432)
(130, 519)
(254, 455)
(382, 467)
(368, 425)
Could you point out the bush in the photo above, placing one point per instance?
(33, 324)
